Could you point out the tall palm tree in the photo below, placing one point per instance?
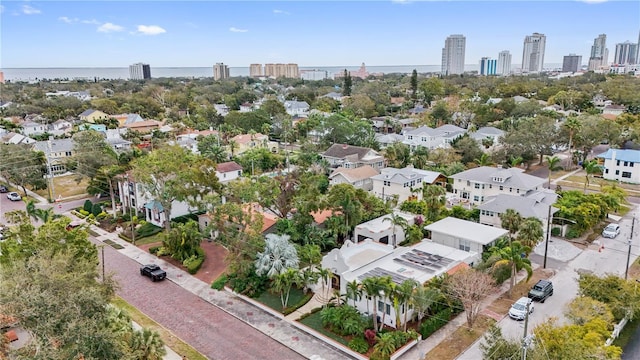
(420, 157)
(386, 289)
(354, 291)
(511, 220)
(396, 220)
(402, 296)
(435, 196)
(325, 276)
(530, 233)
(372, 287)
(573, 125)
(553, 162)
(513, 255)
(282, 283)
(422, 299)
(590, 167)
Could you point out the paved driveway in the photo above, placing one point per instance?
(210, 330)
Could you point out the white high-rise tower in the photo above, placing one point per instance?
(453, 55)
(599, 53)
(504, 63)
(533, 52)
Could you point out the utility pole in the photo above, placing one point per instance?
(48, 155)
(626, 269)
(546, 244)
(102, 251)
(525, 337)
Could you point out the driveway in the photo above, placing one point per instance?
(208, 329)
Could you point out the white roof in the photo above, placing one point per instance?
(379, 224)
(467, 230)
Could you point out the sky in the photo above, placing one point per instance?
(45, 34)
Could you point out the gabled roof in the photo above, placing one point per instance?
(292, 104)
(424, 130)
(353, 175)
(145, 123)
(245, 138)
(620, 154)
(229, 166)
(490, 130)
(535, 205)
(340, 151)
(512, 177)
(614, 107)
(87, 112)
(57, 145)
(389, 138)
(448, 128)
(467, 230)
(401, 176)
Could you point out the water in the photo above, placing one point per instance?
(89, 73)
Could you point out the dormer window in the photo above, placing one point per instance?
(498, 179)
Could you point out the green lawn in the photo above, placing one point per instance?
(273, 300)
(313, 321)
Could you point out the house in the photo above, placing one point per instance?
(417, 110)
(487, 132)
(426, 137)
(14, 138)
(221, 109)
(137, 200)
(348, 156)
(537, 204)
(382, 230)
(124, 119)
(519, 99)
(388, 139)
(58, 151)
(80, 95)
(477, 184)
(228, 171)
(621, 165)
(613, 110)
(450, 133)
(246, 107)
(294, 107)
(333, 95)
(358, 177)
(405, 183)
(465, 235)
(91, 115)
(143, 127)
(246, 142)
(61, 125)
(33, 128)
(421, 262)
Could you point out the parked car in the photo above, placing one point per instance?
(14, 196)
(518, 310)
(541, 290)
(3, 189)
(611, 231)
(153, 271)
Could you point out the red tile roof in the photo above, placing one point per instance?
(226, 167)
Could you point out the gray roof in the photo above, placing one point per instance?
(57, 145)
(425, 130)
(340, 151)
(388, 138)
(512, 177)
(400, 176)
(534, 205)
(87, 112)
(490, 130)
(449, 129)
(292, 104)
(467, 230)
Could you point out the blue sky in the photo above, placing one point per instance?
(309, 33)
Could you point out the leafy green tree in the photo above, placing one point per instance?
(22, 166)
(209, 146)
(513, 255)
(435, 198)
(283, 282)
(511, 221)
(496, 347)
(183, 240)
(432, 88)
(468, 148)
(575, 341)
(347, 83)
(583, 309)
(398, 155)
(531, 137)
(273, 108)
(619, 294)
(278, 256)
(360, 105)
(414, 84)
(342, 199)
(91, 152)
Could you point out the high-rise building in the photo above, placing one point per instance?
(1, 77)
(625, 53)
(504, 63)
(638, 49)
(599, 53)
(533, 52)
(314, 74)
(139, 71)
(488, 66)
(220, 71)
(281, 70)
(571, 63)
(255, 70)
(453, 55)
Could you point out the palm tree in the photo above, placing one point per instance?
(402, 296)
(590, 167)
(422, 299)
(31, 209)
(573, 125)
(553, 163)
(420, 157)
(484, 160)
(147, 345)
(372, 287)
(325, 276)
(386, 289)
(530, 233)
(511, 220)
(282, 283)
(385, 345)
(396, 220)
(354, 291)
(435, 196)
(513, 254)
(278, 256)
(233, 146)
(516, 161)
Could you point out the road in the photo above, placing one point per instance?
(208, 329)
(611, 260)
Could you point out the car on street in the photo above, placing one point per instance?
(611, 231)
(14, 196)
(518, 310)
(153, 271)
(3, 189)
(541, 291)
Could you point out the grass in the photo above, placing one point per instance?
(273, 300)
(460, 340)
(627, 333)
(66, 186)
(504, 302)
(113, 244)
(168, 337)
(146, 240)
(313, 321)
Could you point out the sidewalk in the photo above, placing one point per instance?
(272, 324)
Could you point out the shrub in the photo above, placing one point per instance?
(370, 335)
(435, 322)
(185, 218)
(572, 233)
(359, 344)
(96, 209)
(154, 249)
(84, 212)
(146, 230)
(556, 231)
(162, 251)
(248, 283)
(343, 320)
(87, 206)
(220, 282)
(194, 262)
(501, 273)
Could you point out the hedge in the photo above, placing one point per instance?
(154, 249)
(147, 230)
(220, 282)
(435, 322)
(194, 263)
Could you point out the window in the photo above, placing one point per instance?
(630, 164)
(510, 189)
(476, 198)
(501, 187)
(606, 171)
(386, 183)
(413, 182)
(468, 183)
(617, 172)
(410, 137)
(477, 185)
(384, 307)
(464, 245)
(617, 162)
(626, 163)
(518, 191)
(423, 138)
(626, 174)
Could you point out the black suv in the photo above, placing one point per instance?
(541, 291)
(153, 271)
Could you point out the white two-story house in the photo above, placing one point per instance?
(349, 156)
(406, 183)
(621, 165)
(478, 184)
(430, 138)
(359, 178)
(30, 128)
(538, 204)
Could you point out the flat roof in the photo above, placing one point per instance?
(467, 230)
(379, 224)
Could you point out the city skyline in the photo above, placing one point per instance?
(194, 34)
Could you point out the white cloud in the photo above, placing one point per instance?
(150, 30)
(30, 10)
(109, 27)
(68, 20)
(92, 22)
(281, 12)
(235, 29)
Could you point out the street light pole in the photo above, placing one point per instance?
(626, 269)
